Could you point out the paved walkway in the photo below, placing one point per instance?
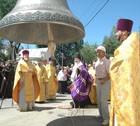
(47, 114)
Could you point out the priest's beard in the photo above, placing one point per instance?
(76, 64)
(26, 59)
(51, 63)
(119, 37)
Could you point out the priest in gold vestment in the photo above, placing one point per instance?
(125, 77)
(52, 80)
(92, 94)
(26, 87)
(42, 78)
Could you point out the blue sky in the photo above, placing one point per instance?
(102, 24)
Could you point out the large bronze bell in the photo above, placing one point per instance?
(41, 22)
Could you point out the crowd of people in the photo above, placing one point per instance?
(7, 70)
(87, 84)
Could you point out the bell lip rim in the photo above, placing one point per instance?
(66, 42)
(54, 22)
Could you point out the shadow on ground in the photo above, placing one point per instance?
(42, 108)
(60, 95)
(77, 121)
(8, 107)
(57, 100)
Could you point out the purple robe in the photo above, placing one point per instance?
(81, 85)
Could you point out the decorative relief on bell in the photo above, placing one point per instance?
(39, 16)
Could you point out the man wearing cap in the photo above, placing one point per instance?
(125, 77)
(52, 80)
(102, 66)
(26, 87)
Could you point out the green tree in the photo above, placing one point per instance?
(88, 52)
(65, 52)
(111, 43)
(3, 57)
(6, 6)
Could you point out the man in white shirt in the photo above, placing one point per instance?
(102, 66)
(62, 79)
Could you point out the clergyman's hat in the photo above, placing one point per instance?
(51, 59)
(77, 55)
(124, 24)
(25, 52)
